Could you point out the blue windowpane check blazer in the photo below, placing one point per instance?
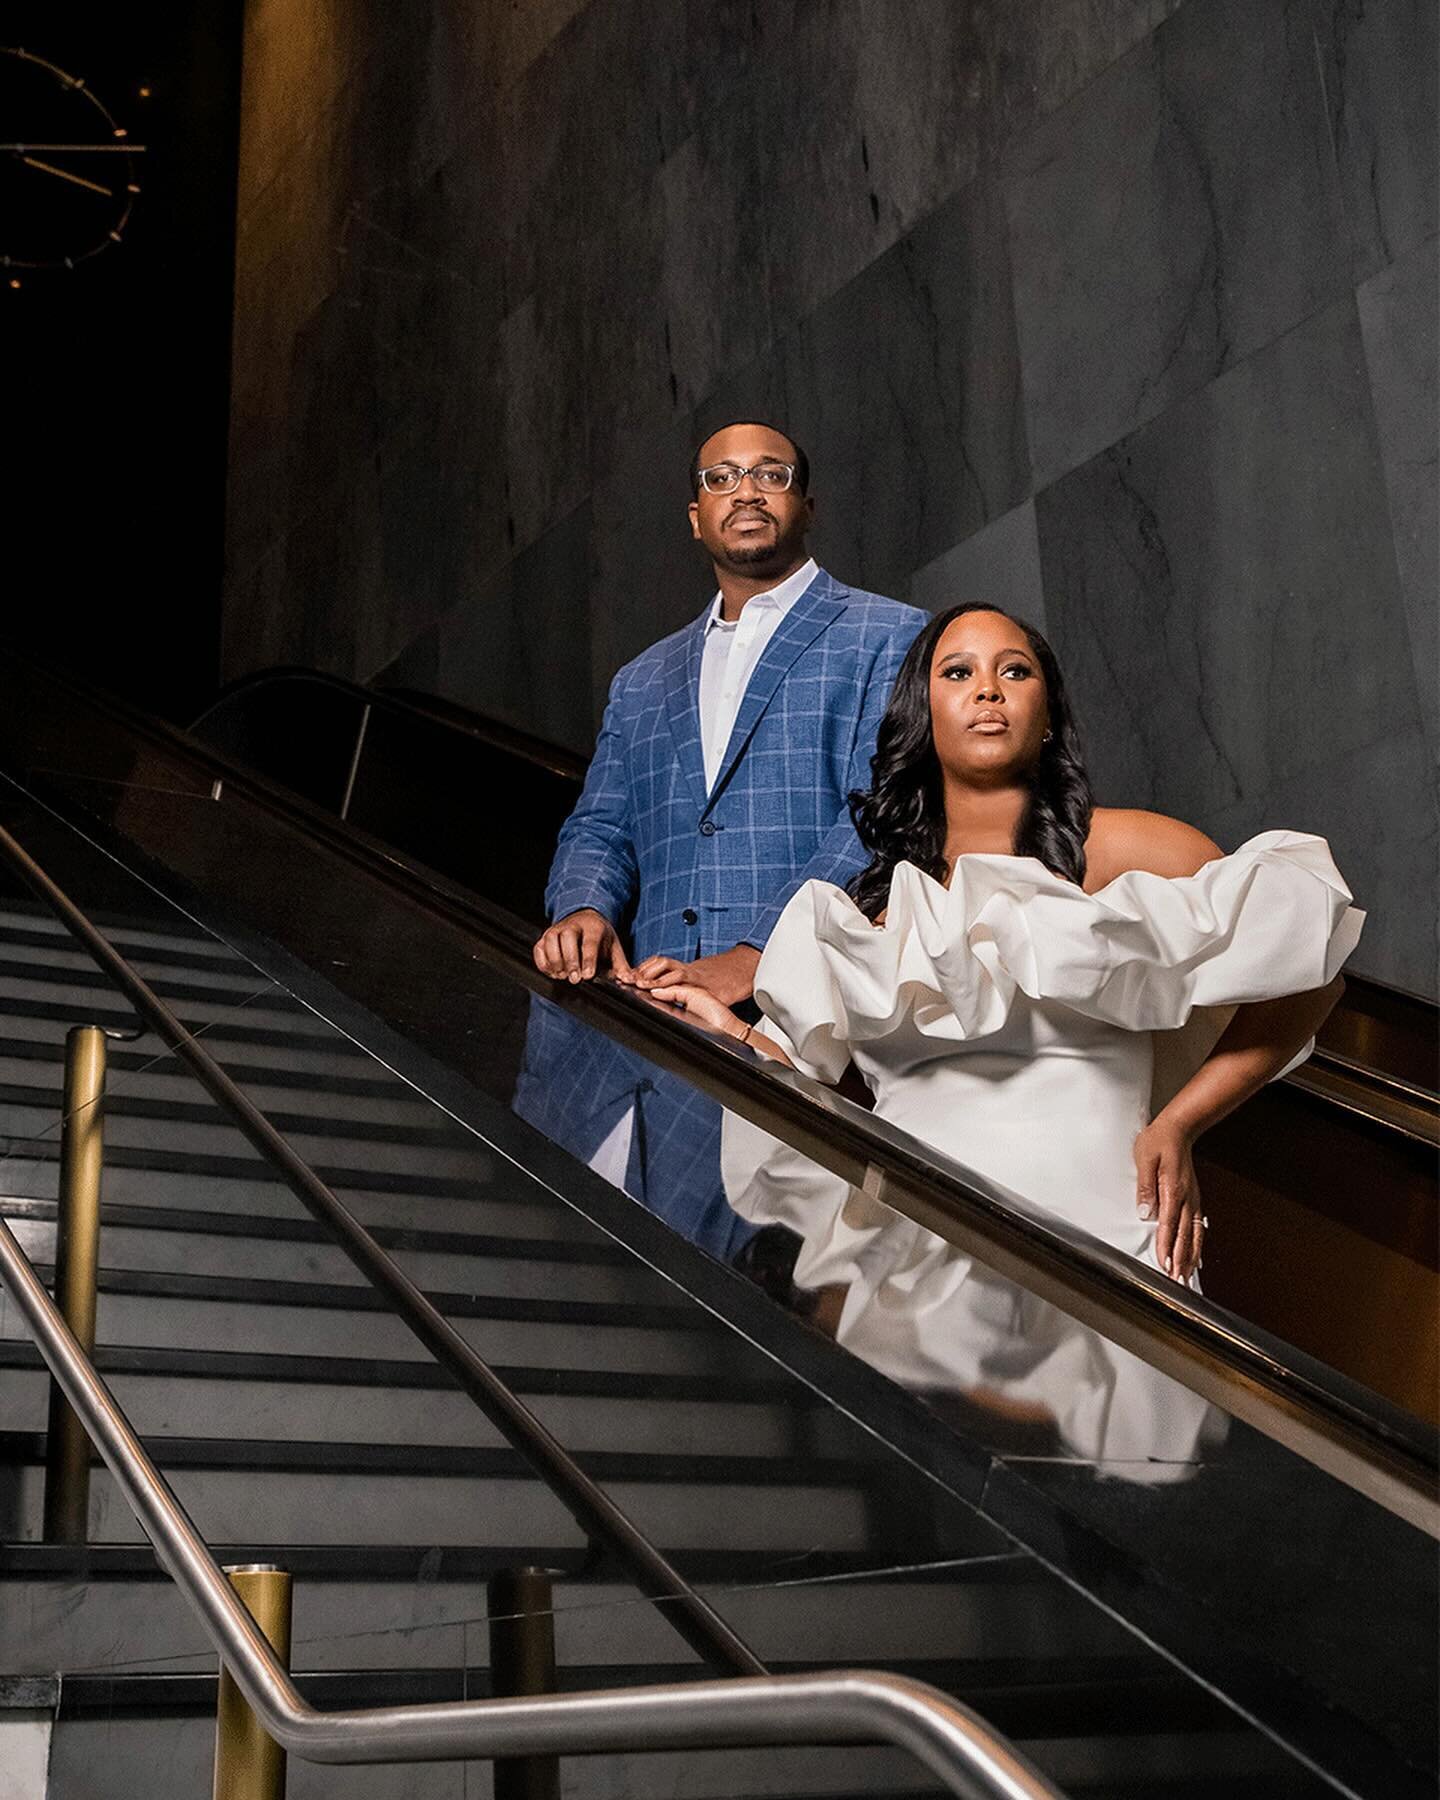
(685, 872)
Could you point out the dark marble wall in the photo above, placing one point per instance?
(1119, 312)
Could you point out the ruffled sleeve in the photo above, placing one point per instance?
(1145, 952)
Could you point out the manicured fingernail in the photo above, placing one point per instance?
(1167, 1265)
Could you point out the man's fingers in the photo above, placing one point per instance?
(570, 951)
(658, 970)
(592, 935)
(619, 961)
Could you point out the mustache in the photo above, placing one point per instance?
(750, 507)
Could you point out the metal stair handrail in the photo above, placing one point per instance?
(593, 1509)
(847, 1706)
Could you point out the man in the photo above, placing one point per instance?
(719, 784)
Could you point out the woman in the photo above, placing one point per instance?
(1017, 974)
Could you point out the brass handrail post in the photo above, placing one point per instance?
(77, 1252)
(249, 1764)
(522, 1664)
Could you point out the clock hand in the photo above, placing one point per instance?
(94, 186)
(79, 149)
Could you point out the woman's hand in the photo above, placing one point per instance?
(1166, 1189)
(700, 1007)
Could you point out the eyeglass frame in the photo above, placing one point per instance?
(765, 462)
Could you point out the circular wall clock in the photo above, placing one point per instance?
(68, 178)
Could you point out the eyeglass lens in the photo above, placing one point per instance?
(724, 478)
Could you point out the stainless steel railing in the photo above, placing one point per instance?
(851, 1706)
(592, 1508)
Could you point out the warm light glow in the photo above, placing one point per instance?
(144, 93)
(120, 131)
(14, 282)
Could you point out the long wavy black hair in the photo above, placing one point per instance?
(902, 816)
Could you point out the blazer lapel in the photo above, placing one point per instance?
(821, 603)
(682, 703)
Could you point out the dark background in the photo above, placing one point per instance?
(117, 373)
(1119, 313)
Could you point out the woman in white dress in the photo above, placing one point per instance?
(1028, 983)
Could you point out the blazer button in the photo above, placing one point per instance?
(690, 916)
(707, 828)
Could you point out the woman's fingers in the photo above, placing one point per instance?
(1169, 1212)
(1147, 1184)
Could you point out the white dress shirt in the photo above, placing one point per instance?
(732, 649)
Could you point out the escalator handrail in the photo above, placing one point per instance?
(1370, 1094)
(404, 703)
(1347, 1430)
(955, 1744)
(593, 1509)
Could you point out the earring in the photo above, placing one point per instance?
(1046, 739)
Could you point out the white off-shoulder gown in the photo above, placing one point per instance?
(1028, 1030)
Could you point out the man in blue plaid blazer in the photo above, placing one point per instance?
(719, 785)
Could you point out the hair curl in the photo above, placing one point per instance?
(902, 816)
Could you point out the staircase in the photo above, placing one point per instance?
(300, 1424)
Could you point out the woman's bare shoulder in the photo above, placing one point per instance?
(1124, 838)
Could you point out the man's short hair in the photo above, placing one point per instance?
(802, 461)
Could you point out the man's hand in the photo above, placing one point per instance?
(579, 946)
(729, 977)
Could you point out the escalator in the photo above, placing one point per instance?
(1258, 1620)
(1339, 1158)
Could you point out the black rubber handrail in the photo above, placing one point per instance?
(591, 1507)
(1339, 1082)
(407, 703)
(1346, 1429)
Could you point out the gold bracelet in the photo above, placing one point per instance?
(745, 1034)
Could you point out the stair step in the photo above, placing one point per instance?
(1041, 1699)
(198, 979)
(270, 1256)
(366, 1371)
(20, 1449)
(181, 941)
(500, 1201)
(323, 1296)
(358, 1619)
(95, 1001)
(556, 1335)
(210, 1165)
(34, 1074)
(187, 1220)
(161, 1127)
(46, 1023)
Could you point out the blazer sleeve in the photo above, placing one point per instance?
(839, 855)
(595, 861)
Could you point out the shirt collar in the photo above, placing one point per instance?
(781, 597)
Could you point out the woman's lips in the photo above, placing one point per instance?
(990, 723)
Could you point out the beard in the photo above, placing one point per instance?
(746, 556)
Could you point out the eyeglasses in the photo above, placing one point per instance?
(769, 477)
